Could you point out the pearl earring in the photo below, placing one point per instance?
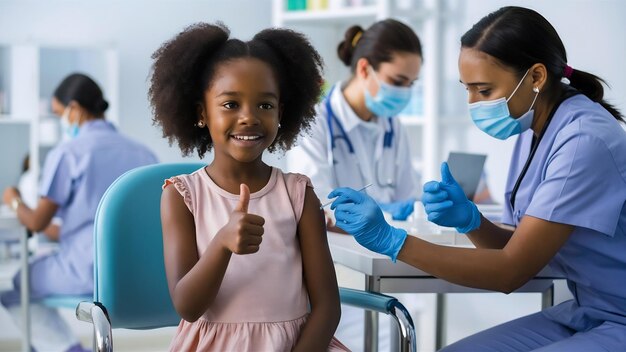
(279, 126)
(536, 89)
(200, 124)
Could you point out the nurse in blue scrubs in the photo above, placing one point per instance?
(565, 194)
(75, 175)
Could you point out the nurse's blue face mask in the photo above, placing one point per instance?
(493, 116)
(389, 101)
(70, 130)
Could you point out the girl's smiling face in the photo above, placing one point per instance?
(241, 109)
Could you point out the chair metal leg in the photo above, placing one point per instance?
(25, 293)
(96, 314)
(440, 323)
(408, 340)
(370, 334)
(370, 341)
(547, 298)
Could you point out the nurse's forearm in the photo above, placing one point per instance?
(489, 235)
(32, 219)
(489, 269)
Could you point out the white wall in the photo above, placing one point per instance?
(136, 29)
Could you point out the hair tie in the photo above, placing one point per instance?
(567, 72)
(356, 38)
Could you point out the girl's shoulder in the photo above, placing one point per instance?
(296, 185)
(186, 185)
(185, 180)
(293, 179)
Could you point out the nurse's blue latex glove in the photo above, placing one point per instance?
(359, 215)
(446, 204)
(399, 210)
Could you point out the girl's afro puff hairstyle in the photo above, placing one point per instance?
(184, 67)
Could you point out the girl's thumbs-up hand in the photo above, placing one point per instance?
(244, 198)
(243, 233)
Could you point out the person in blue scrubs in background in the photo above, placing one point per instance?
(565, 194)
(75, 175)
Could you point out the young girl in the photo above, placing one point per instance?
(246, 256)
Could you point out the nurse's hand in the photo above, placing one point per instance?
(9, 194)
(399, 210)
(358, 214)
(446, 204)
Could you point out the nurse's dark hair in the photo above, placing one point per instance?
(377, 43)
(85, 91)
(184, 69)
(519, 38)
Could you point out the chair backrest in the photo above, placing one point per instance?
(129, 273)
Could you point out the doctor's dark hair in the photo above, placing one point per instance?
(377, 43)
(519, 38)
(85, 91)
(184, 68)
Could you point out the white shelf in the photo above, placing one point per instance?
(410, 120)
(455, 120)
(12, 120)
(347, 14)
(48, 116)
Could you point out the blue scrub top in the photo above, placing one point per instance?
(578, 177)
(75, 176)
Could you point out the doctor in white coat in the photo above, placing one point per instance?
(357, 139)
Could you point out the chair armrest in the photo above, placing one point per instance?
(380, 303)
(367, 300)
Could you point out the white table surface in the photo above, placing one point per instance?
(346, 251)
(384, 276)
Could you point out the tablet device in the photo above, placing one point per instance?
(467, 169)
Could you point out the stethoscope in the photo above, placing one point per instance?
(535, 146)
(387, 143)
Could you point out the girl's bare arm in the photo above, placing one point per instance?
(320, 278)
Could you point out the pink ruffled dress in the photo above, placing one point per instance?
(262, 303)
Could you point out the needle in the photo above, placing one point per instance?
(331, 202)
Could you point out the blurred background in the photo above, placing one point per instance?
(112, 41)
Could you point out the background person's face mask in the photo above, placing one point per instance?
(70, 130)
(389, 101)
(493, 116)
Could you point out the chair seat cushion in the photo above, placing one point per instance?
(66, 301)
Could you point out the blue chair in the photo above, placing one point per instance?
(130, 287)
(65, 301)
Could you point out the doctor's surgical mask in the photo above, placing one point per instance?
(70, 130)
(493, 116)
(389, 101)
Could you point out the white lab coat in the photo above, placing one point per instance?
(312, 156)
